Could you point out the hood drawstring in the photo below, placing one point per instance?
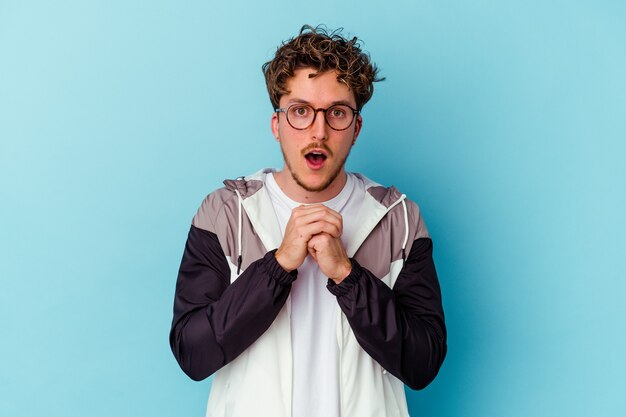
(406, 232)
(239, 223)
(406, 224)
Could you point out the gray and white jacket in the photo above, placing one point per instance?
(232, 305)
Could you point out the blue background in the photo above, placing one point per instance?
(505, 121)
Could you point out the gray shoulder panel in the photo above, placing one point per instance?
(245, 188)
(385, 196)
(415, 217)
(209, 209)
(384, 243)
(219, 213)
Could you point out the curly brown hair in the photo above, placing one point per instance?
(323, 50)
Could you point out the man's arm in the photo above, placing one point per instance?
(214, 320)
(403, 328)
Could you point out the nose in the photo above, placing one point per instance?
(319, 128)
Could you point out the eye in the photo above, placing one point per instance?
(300, 111)
(337, 112)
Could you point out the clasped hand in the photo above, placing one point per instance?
(315, 230)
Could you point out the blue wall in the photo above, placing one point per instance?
(504, 120)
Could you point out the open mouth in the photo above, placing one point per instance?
(315, 159)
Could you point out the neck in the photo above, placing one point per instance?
(296, 192)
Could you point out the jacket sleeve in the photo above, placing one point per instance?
(214, 320)
(403, 328)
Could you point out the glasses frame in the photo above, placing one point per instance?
(355, 113)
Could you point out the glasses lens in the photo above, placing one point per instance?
(339, 117)
(300, 116)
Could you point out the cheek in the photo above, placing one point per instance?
(288, 147)
(347, 142)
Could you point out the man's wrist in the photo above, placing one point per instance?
(343, 272)
(276, 271)
(281, 261)
(347, 284)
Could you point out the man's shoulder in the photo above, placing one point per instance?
(386, 195)
(228, 198)
(396, 202)
(206, 215)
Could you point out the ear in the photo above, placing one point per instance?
(357, 128)
(274, 125)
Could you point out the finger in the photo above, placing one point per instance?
(333, 212)
(309, 208)
(312, 208)
(318, 216)
(319, 240)
(310, 230)
(303, 233)
(325, 246)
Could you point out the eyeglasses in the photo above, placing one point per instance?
(302, 116)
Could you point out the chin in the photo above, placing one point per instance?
(315, 188)
(316, 184)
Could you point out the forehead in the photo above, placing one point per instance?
(322, 90)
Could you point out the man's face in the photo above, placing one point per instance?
(315, 157)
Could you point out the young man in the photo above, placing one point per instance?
(310, 291)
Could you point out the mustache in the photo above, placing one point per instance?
(312, 146)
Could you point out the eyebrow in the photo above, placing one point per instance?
(301, 101)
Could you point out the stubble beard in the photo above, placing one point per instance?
(333, 175)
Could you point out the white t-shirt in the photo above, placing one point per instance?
(314, 311)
